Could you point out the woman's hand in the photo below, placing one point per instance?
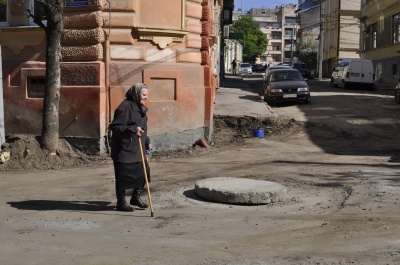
(139, 131)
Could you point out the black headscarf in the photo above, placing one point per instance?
(135, 93)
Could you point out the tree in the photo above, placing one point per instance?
(307, 49)
(53, 11)
(254, 39)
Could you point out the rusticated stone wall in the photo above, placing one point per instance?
(83, 35)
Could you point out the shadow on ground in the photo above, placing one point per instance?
(50, 205)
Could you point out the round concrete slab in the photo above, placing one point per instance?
(240, 191)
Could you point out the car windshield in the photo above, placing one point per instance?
(280, 67)
(245, 65)
(300, 66)
(285, 76)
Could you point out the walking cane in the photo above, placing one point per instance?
(145, 177)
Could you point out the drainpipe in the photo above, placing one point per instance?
(338, 36)
(107, 80)
(107, 66)
(321, 40)
(2, 130)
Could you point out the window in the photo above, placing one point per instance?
(288, 32)
(275, 48)
(290, 20)
(344, 63)
(276, 26)
(276, 37)
(394, 69)
(3, 14)
(262, 25)
(38, 9)
(396, 28)
(374, 30)
(36, 87)
(35, 6)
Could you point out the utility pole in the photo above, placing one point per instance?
(291, 45)
(291, 49)
(321, 39)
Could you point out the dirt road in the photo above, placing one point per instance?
(338, 158)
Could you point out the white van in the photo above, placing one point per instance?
(359, 72)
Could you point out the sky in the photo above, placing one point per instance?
(248, 4)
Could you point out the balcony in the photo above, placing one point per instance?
(275, 52)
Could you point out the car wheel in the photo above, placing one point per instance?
(268, 100)
(345, 85)
(333, 83)
(397, 96)
(371, 87)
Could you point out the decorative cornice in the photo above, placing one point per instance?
(161, 37)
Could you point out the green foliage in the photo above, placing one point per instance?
(307, 49)
(254, 39)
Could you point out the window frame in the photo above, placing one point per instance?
(396, 28)
(5, 23)
(374, 33)
(30, 4)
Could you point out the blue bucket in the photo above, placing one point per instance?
(258, 133)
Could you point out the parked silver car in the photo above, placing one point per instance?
(245, 68)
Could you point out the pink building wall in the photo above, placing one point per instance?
(105, 50)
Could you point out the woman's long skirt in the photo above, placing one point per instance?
(130, 175)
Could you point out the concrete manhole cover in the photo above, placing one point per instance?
(240, 191)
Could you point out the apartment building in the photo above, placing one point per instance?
(341, 30)
(309, 18)
(280, 26)
(380, 37)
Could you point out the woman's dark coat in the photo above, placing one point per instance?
(124, 141)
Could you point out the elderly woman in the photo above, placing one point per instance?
(128, 127)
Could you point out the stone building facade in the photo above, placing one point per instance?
(380, 38)
(107, 46)
(309, 17)
(341, 29)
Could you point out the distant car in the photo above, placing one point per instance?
(275, 67)
(286, 85)
(303, 69)
(258, 68)
(245, 68)
(397, 93)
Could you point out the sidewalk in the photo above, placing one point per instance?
(385, 86)
(235, 98)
